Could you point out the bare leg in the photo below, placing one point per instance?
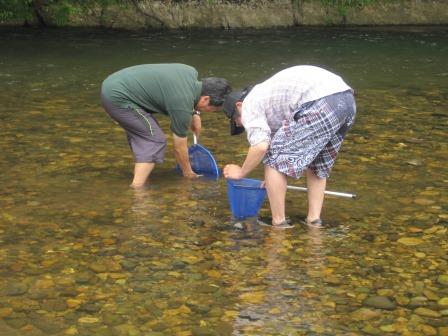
(141, 173)
(316, 189)
(276, 188)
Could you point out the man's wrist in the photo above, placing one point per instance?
(196, 113)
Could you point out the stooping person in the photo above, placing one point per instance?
(295, 122)
(132, 96)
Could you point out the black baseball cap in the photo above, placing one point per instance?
(229, 108)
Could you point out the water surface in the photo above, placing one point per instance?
(83, 254)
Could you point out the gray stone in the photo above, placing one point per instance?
(380, 302)
(15, 289)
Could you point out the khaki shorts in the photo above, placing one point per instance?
(145, 137)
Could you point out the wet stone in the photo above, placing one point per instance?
(85, 278)
(369, 237)
(6, 312)
(112, 319)
(49, 325)
(380, 302)
(16, 322)
(251, 316)
(127, 330)
(139, 288)
(147, 252)
(341, 301)
(388, 328)
(443, 301)
(73, 303)
(199, 308)
(198, 223)
(393, 237)
(158, 275)
(98, 267)
(343, 309)
(426, 312)
(413, 140)
(128, 265)
(145, 317)
(364, 290)
(332, 280)
(99, 331)
(89, 307)
(220, 294)
(201, 331)
(71, 317)
(223, 329)
(370, 330)
(89, 320)
(33, 270)
(160, 326)
(207, 289)
(194, 276)
(402, 300)
(443, 280)
(141, 277)
(24, 305)
(430, 295)
(15, 289)
(178, 264)
(364, 314)
(174, 303)
(54, 305)
(410, 241)
(427, 330)
(437, 322)
(418, 301)
(67, 291)
(215, 312)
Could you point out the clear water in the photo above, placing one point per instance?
(83, 254)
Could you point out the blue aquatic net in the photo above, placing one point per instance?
(246, 196)
(202, 161)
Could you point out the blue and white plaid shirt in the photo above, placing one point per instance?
(273, 101)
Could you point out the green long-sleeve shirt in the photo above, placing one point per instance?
(171, 89)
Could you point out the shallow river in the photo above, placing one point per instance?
(83, 254)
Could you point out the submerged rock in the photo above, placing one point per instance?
(410, 241)
(443, 279)
(364, 314)
(380, 302)
(426, 312)
(15, 289)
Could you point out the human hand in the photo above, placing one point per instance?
(191, 174)
(233, 171)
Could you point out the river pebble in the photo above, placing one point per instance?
(380, 302)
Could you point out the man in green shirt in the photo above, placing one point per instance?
(133, 95)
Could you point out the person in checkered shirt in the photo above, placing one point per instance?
(295, 123)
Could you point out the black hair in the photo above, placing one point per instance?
(216, 88)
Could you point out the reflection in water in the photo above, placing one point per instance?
(83, 254)
(280, 302)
